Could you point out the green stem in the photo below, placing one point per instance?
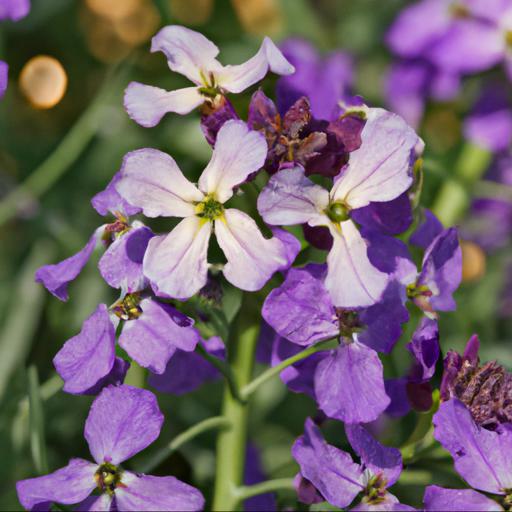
(219, 422)
(37, 436)
(455, 195)
(231, 444)
(245, 492)
(66, 153)
(250, 388)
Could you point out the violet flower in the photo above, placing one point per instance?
(339, 480)
(194, 56)
(378, 171)
(176, 263)
(122, 422)
(4, 74)
(481, 456)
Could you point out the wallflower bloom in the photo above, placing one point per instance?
(378, 171)
(122, 422)
(481, 457)
(328, 473)
(193, 55)
(176, 263)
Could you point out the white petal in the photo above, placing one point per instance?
(351, 279)
(238, 153)
(176, 263)
(147, 105)
(290, 198)
(151, 180)
(251, 258)
(188, 52)
(380, 169)
(269, 57)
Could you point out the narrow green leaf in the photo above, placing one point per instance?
(37, 436)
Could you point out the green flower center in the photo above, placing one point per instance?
(508, 38)
(128, 307)
(209, 209)
(338, 212)
(375, 491)
(210, 88)
(414, 291)
(108, 477)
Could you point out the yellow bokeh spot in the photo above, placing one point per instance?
(43, 81)
(473, 261)
(113, 9)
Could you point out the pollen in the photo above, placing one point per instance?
(209, 209)
(108, 477)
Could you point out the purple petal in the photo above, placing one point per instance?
(14, 9)
(332, 471)
(389, 503)
(4, 70)
(301, 309)
(122, 421)
(254, 474)
(153, 337)
(385, 252)
(68, 485)
(186, 371)
(94, 503)
(158, 493)
(427, 231)
(442, 270)
(349, 384)
(457, 500)
(318, 236)
(482, 457)
(377, 458)
(425, 349)
(291, 244)
(89, 356)
(109, 201)
(212, 122)
(397, 392)
(56, 278)
(306, 491)
(121, 264)
(116, 377)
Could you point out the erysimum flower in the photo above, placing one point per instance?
(176, 264)
(482, 458)
(328, 473)
(378, 171)
(193, 55)
(122, 422)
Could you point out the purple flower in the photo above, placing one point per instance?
(376, 172)
(338, 479)
(121, 264)
(481, 456)
(14, 10)
(254, 474)
(325, 81)
(176, 263)
(214, 117)
(4, 70)
(152, 332)
(194, 56)
(122, 422)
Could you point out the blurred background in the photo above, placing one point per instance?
(63, 133)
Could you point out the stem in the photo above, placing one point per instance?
(455, 195)
(245, 492)
(231, 444)
(37, 435)
(250, 388)
(203, 426)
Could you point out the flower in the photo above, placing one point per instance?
(193, 55)
(338, 479)
(481, 456)
(121, 264)
(176, 263)
(122, 421)
(378, 171)
(14, 10)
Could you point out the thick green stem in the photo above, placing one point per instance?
(231, 444)
(244, 492)
(455, 195)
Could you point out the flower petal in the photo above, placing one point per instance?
(4, 71)
(351, 279)
(240, 77)
(94, 503)
(425, 349)
(238, 153)
(158, 493)
(151, 180)
(188, 52)
(332, 471)
(290, 198)
(56, 278)
(154, 337)
(109, 201)
(90, 355)
(147, 104)
(380, 169)
(176, 263)
(481, 456)
(14, 9)
(438, 499)
(251, 258)
(349, 384)
(429, 228)
(122, 421)
(68, 485)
